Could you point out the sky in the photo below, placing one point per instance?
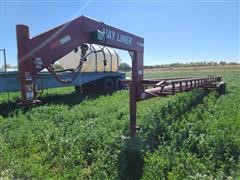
(173, 31)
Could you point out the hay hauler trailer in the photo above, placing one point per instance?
(40, 52)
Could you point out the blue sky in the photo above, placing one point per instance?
(173, 31)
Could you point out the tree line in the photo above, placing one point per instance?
(126, 67)
(191, 64)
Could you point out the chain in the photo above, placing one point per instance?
(74, 73)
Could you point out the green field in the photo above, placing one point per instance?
(192, 135)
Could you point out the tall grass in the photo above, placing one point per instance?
(190, 135)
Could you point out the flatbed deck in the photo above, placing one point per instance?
(9, 81)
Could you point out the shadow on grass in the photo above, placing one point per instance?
(70, 100)
(7, 108)
(130, 160)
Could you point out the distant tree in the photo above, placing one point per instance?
(233, 63)
(222, 63)
(190, 64)
(8, 66)
(209, 63)
(124, 67)
(212, 63)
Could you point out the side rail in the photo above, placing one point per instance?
(170, 86)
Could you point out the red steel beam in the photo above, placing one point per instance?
(37, 53)
(177, 86)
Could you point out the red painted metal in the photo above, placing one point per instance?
(37, 53)
(172, 86)
(40, 52)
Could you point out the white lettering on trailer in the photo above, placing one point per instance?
(118, 37)
(124, 39)
(109, 34)
(65, 39)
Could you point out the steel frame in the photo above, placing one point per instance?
(9, 81)
(164, 87)
(37, 53)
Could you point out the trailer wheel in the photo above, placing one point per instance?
(89, 88)
(118, 84)
(222, 88)
(108, 85)
(78, 89)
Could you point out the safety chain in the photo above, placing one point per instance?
(74, 73)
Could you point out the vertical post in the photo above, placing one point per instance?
(190, 84)
(186, 85)
(180, 85)
(173, 88)
(25, 66)
(5, 61)
(136, 89)
(23, 58)
(133, 108)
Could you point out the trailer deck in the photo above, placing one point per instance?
(9, 81)
(170, 86)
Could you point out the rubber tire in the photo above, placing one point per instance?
(89, 88)
(222, 88)
(78, 89)
(108, 85)
(118, 84)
